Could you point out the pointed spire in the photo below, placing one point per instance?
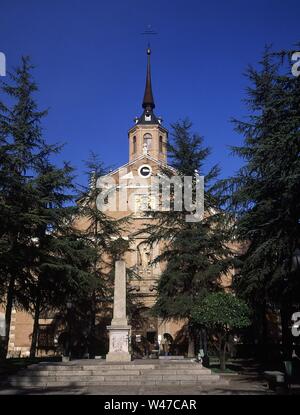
(148, 101)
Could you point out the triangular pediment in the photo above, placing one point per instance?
(142, 158)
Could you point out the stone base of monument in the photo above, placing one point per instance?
(118, 344)
(118, 357)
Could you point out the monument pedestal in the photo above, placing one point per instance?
(118, 344)
(119, 329)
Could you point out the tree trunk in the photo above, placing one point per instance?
(286, 336)
(91, 347)
(8, 311)
(222, 352)
(35, 325)
(191, 347)
(223, 358)
(261, 331)
(264, 345)
(205, 341)
(93, 327)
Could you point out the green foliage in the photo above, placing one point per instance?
(221, 309)
(21, 150)
(103, 236)
(265, 192)
(44, 261)
(197, 252)
(221, 314)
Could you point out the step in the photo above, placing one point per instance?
(56, 384)
(114, 376)
(79, 374)
(132, 371)
(114, 382)
(177, 371)
(90, 370)
(181, 377)
(89, 367)
(42, 374)
(125, 379)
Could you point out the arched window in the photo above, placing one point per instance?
(134, 144)
(148, 140)
(160, 144)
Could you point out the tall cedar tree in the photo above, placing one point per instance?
(21, 148)
(264, 194)
(196, 253)
(40, 260)
(61, 260)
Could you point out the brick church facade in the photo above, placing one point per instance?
(147, 156)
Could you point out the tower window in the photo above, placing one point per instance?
(148, 140)
(160, 144)
(134, 144)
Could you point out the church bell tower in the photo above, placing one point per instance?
(148, 136)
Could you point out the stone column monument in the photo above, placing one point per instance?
(119, 329)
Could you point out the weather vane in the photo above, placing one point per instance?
(149, 31)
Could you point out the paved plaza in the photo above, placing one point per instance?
(247, 379)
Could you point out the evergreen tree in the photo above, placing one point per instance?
(42, 259)
(197, 254)
(21, 148)
(67, 278)
(104, 235)
(51, 241)
(265, 192)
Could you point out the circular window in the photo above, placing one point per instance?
(145, 171)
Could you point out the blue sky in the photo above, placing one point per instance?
(90, 65)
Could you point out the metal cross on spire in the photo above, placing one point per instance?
(149, 31)
(148, 100)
